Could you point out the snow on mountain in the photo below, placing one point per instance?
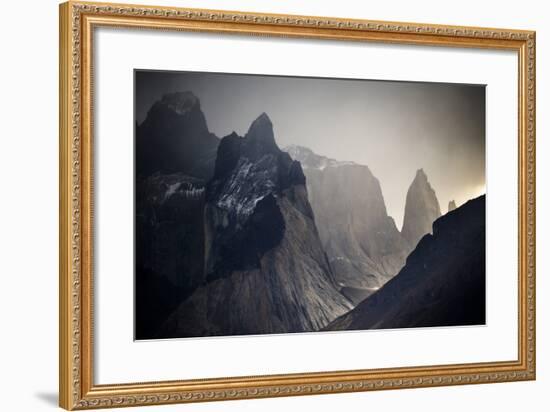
(311, 160)
(363, 245)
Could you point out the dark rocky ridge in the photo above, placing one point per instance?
(169, 238)
(442, 283)
(362, 242)
(175, 156)
(174, 138)
(421, 209)
(265, 268)
(250, 174)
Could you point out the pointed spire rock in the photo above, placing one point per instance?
(261, 128)
(421, 209)
(420, 176)
(260, 138)
(262, 119)
(362, 242)
(452, 205)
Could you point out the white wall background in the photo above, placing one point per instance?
(29, 187)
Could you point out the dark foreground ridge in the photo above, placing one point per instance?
(442, 283)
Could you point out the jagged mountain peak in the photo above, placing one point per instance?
(172, 109)
(421, 175)
(260, 126)
(256, 151)
(421, 180)
(262, 119)
(260, 138)
(180, 102)
(421, 209)
(362, 242)
(174, 138)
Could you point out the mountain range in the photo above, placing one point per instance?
(230, 231)
(441, 284)
(363, 243)
(266, 271)
(235, 236)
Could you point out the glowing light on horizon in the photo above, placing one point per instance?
(470, 193)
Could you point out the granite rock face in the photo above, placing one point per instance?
(362, 242)
(421, 210)
(265, 267)
(442, 283)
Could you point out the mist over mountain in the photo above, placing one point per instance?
(364, 246)
(442, 283)
(394, 128)
(235, 236)
(421, 209)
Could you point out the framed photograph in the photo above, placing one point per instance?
(259, 205)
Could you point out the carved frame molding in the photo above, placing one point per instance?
(77, 21)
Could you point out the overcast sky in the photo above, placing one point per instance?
(394, 128)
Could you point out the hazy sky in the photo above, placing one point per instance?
(394, 128)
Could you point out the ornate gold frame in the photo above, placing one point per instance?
(76, 386)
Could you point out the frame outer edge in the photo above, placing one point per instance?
(65, 295)
(534, 320)
(73, 393)
(532, 123)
